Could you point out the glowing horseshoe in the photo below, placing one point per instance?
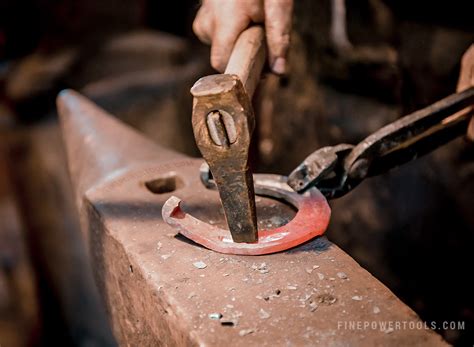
(310, 221)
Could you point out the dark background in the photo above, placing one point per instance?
(412, 228)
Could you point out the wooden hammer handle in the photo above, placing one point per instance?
(248, 57)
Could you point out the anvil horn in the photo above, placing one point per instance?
(98, 145)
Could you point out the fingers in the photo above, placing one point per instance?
(203, 25)
(466, 75)
(278, 16)
(220, 22)
(470, 130)
(223, 40)
(466, 80)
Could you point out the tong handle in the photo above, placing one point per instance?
(338, 169)
(248, 57)
(410, 137)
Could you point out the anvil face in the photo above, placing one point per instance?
(161, 289)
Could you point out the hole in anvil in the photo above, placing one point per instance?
(165, 184)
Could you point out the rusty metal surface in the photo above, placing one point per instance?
(163, 290)
(223, 123)
(310, 221)
(86, 133)
(343, 168)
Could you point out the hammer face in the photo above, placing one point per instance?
(238, 200)
(223, 123)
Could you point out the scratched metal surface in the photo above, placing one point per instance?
(301, 297)
(161, 289)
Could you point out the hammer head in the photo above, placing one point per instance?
(223, 123)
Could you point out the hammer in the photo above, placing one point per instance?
(223, 123)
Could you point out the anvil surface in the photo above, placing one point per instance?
(161, 289)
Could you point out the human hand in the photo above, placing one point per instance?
(466, 80)
(220, 22)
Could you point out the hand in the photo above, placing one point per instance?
(220, 22)
(466, 80)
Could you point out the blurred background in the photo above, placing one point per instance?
(412, 228)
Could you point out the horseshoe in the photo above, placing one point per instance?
(310, 221)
